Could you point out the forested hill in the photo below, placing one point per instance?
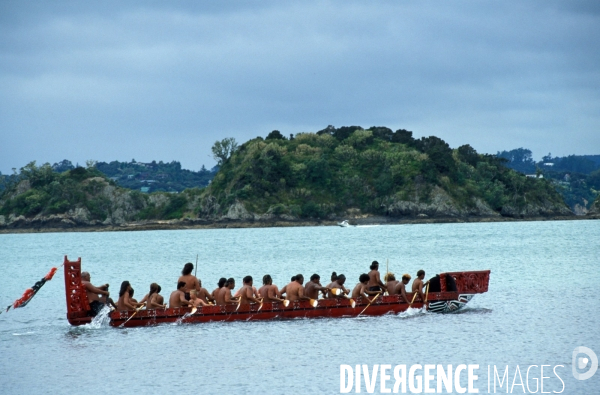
(338, 171)
(334, 174)
(575, 177)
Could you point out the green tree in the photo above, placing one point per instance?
(223, 149)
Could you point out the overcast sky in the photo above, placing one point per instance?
(163, 80)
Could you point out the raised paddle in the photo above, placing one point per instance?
(376, 296)
(196, 267)
(134, 313)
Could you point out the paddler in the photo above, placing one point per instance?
(247, 292)
(195, 301)
(93, 294)
(125, 303)
(220, 285)
(294, 290)
(401, 288)
(224, 295)
(418, 284)
(391, 283)
(177, 298)
(361, 288)
(375, 283)
(313, 287)
(191, 282)
(151, 300)
(204, 295)
(269, 292)
(339, 284)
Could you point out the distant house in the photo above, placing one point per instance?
(114, 178)
(145, 189)
(549, 164)
(534, 176)
(130, 176)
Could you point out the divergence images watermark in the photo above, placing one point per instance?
(432, 379)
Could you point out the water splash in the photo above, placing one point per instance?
(101, 320)
(180, 320)
(412, 313)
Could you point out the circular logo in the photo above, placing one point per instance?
(581, 362)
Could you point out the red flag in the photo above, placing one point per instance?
(30, 292)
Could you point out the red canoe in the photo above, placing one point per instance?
(456, 290)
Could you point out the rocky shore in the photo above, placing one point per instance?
(123, 208)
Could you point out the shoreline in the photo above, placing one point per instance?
(243, 224)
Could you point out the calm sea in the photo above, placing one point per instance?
(542, 303)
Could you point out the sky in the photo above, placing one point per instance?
(158, 80)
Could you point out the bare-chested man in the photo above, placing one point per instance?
(93, 294)
(158, 299)
(125, 303)
(191, 282)
(177, 298)
(224, 295)
(294, 290)
(375, 283)
(361, 288)
(313, 287)
(247, 292)
(390, 283)
(255, 293)
(339, 284)
(220, 285)
(418, 284)
(401, 288)
(151, 300)
(269, 292)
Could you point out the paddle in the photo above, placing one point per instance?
(196, 267)
(313, 303)
(133, 315)
(376, 296)
(413, 299)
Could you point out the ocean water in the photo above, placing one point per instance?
(542, 303)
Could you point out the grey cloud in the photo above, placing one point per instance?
(164, 81)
